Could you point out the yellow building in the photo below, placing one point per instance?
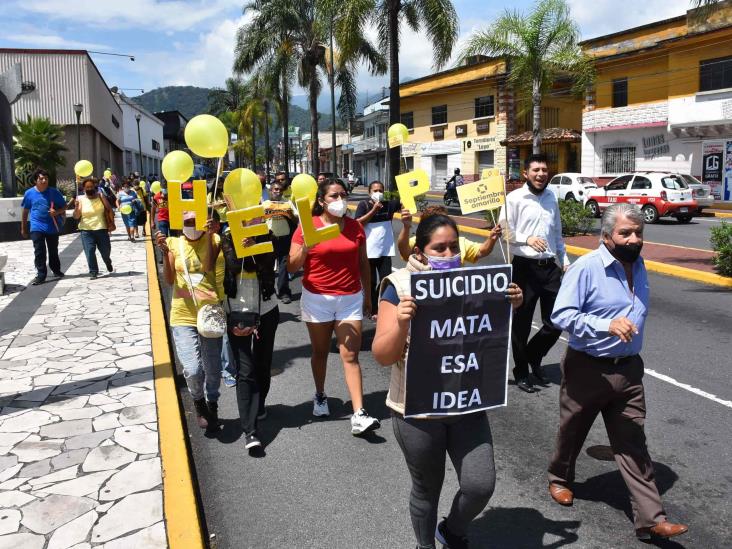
(663, 100)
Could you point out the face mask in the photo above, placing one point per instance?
(442, 263)
(627, 253)
(534, 190)
(377, 196)
(90, 193)
(191, 233)
(338, 208)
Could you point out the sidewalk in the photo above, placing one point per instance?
(80, 462)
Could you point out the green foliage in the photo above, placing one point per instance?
(37, 143)
(67, 188)
(576, 219)
(721, 240)
(391, 195)
(189, 100)
(491, 216)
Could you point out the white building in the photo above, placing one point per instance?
(369, 151)
(150, 138)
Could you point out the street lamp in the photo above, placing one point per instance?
(138, 117)
(78, 108)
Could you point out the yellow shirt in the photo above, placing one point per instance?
(220, 207)
(469, 251)
(92, 214)
(209, 288)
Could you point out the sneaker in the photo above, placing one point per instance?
(362, 423)
(58, 274)
(213, 416)
(92, 276)
(37, 280)
(286, 299)
(110, 268)
(320, 405)
(448, 539)
(251, 441)
(201, 413)
(229, 380)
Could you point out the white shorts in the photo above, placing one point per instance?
(326, 308)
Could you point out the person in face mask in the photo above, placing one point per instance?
(426, 442)
(531, 217)
(335, 296)
(126, 197)
(375, 215)
(96, 221)
(603, 305)
(203, 284)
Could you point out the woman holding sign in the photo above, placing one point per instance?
(424, 442)
(336, 273)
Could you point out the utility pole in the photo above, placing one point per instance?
(334, 159)
(138, 117)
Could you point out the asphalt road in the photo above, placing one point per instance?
(319, 487)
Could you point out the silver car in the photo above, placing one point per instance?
(701, 192)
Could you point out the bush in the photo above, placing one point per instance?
(420, 200)
(576, 219)
(491, 216)
(721, 240)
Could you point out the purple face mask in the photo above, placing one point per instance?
(442, 263)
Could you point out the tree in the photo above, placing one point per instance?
(540, 48)
(37, 143)
(439, 20)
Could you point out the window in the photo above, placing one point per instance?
(382, 129)
(618, 159)
(715, 74)
(409, 163)
(115, 122)
(641, 183)
(566, 180)
(484, 106)
(555, 180)
(674, 183)
(439, 115)
(619, 183)
(620, 92)
(407, 119)
(486, 159)
(549, 118)
(155, 145)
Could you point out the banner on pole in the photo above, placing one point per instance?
(457, 362)
(484, 194)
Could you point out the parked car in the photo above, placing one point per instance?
(572, 186)
(658, 194)
(701, 192)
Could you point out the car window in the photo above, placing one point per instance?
(673, 182)
(555, 180)
(566, 180)
(619, 183)
(640, 183)
(690, 179)
(585, 181)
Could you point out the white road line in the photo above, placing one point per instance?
(672, 381)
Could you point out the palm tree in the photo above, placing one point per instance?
(540, 48)
(437, 17)
(38, 143)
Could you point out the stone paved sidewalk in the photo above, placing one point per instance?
(79, 453)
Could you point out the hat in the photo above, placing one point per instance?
(189, 215)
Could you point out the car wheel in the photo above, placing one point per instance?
(594, 208)
(683, 218)
(570, 197)
(650, 214)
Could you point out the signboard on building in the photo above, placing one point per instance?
(483, 127)
(452, 146)
(727, 191)
(712, 166)
(461, 130)
(654, 146)
(478, 144)
(439, 133)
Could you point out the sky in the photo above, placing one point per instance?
(191, 42)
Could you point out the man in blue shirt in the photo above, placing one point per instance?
(47, 208)
(603, 304)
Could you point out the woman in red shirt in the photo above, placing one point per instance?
(335, 273)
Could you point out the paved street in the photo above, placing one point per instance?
(318, 486)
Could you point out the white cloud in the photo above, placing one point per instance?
(608, 16)
(52, 41)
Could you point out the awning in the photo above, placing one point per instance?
(549, 135)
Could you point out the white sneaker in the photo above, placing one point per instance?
(362, 423)
(320, 405)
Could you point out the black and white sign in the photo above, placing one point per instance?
(457, 362)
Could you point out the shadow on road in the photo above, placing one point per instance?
(521, 528)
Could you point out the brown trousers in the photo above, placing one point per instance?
(591, 386)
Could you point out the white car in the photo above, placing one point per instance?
(701, 192)
(572, 186)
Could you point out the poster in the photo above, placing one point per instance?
(727, 192)
(712, 166)
(457, 362)
(484, 194)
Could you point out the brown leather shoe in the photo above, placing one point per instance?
(662, 530)
(561, 494)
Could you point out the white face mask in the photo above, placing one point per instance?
(377, 196)
(191, 233)
(338, 207)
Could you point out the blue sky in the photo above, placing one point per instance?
(190, 42)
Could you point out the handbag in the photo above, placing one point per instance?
(211, 318)
(245, 319)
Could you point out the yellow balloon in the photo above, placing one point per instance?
(125, 209)
(83, 168)
(304, 185)
(243, 188)
(399, 130)
(207, 136)
(107, 173)
(177, 166)
(155, 187)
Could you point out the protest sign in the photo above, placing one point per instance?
(457, 362)
(484, 194)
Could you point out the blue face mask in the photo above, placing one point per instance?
(443, 263)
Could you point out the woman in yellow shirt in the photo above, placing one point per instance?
(96, 221)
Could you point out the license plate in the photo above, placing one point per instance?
(683, 210)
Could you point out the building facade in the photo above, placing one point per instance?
(368, 151)
(151, 140)
(663, 100)
(174, 126)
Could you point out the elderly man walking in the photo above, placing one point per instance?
(603, 304)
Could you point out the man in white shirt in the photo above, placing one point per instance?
(531, 218)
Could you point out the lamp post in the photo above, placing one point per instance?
(332, 102)
(78, 108)
(138, 117)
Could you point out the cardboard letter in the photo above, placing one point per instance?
(310, 234)
(407, 191)
(177, 204)
(239, 232)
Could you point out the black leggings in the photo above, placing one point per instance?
(253, 358)
(467, 440)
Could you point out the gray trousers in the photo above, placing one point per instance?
(425, 442)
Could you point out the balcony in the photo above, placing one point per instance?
(706, 114)
(370, 144)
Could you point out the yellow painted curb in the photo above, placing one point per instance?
(721, 214)
(721, 205)
(182, 520)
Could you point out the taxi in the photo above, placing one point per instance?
(657, 194)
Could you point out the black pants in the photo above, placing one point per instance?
(538, 283)
(41, 241)
(253, 358)
(380, 269)
(281, 245)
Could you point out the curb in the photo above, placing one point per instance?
(180, 508)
